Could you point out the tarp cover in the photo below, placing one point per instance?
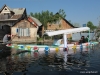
(67, 31)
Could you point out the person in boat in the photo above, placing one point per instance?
(87, 38)
(99, 39)
(6, 39)
(82, 40)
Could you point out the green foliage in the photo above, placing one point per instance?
(70, 38)
(56, 29)
(62, 13)
(47, 37)
(91, 26)
(39, 39)
(47, 16)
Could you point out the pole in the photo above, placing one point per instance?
(65, 42)
(65, 48)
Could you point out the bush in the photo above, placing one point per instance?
(70, 39)
(39, 39)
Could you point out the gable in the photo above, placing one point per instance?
(68, 23)
(5, 10)
(24, 24)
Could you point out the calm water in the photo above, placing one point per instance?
(17, 62)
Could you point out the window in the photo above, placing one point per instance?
(5, 9)
(23, 32)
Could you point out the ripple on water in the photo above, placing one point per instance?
(52, 63)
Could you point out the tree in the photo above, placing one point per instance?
(91, 26)
(62, 13)
(47, 16)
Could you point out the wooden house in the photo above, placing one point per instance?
(16, 22)
(8, 17)
(25, 30)
(60, 24)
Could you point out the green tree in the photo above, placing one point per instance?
(47, 16)
(62, 13)
(91, 26)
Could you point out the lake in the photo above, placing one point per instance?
(35, 63)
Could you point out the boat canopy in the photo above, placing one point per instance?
(67, 31)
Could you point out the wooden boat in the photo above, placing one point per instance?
(70, 47)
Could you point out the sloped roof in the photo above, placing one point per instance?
(69, 23)
(36, 21)
(18, 11)
(16, 16)
(7, 7)
(66, 21)
(31, 21)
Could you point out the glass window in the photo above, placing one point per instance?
(23, 32)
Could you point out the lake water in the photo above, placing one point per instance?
(34, 63)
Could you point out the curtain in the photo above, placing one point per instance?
(23, 32)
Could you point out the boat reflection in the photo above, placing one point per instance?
(23, 61)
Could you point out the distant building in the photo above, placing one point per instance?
(61, 24)
(16, 22)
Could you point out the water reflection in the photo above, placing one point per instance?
(38, 62)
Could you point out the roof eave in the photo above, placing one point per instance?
(8, 19)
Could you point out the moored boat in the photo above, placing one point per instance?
(69, 47)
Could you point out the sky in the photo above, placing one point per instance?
(77, 11)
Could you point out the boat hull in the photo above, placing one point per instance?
(41, 48)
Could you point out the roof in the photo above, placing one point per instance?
(66, 21)
(69, 23)
(8, 20)
(67, 31)
(36, 21)
(5, 6)
(18, 12)
(16, 16)
(31, 21)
